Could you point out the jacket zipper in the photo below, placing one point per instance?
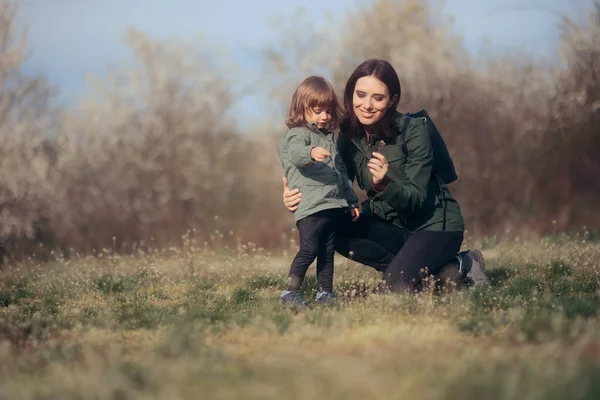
(407, 231)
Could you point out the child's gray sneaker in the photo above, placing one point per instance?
(293, 298)
(472, 267)
(325, 297)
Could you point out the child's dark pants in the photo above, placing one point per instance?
(317, 240)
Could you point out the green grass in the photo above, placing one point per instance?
(146, 327)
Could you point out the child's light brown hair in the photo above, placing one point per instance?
(313, 92)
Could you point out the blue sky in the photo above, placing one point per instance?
(69, 39)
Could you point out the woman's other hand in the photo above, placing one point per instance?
(291, 198)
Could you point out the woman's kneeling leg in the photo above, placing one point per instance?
(425, 252)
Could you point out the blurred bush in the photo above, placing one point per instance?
(153, 151)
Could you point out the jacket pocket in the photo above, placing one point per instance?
(384, 210)
(361, 169)
(322, 187)
(394, 153)
(396, 162)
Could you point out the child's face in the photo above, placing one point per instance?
(319, 115)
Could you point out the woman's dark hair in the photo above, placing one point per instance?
(383, 71)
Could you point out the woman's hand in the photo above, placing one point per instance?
(378, 166)
(291, 198)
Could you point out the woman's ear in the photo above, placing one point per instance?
(394, 100)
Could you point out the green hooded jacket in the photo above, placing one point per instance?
(414, 198)
(324, 184)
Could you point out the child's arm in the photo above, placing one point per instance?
(319, 154)
(298, 144)
(354, 213)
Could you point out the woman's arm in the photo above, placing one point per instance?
(291, 198)
(409, 194)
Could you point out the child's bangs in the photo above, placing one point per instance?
(323, 98)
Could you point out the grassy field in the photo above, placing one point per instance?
(197, 323)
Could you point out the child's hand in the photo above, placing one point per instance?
(355, 213)
(319, 154)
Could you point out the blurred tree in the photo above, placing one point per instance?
(568, 173)
(153, 152)
(26, 127)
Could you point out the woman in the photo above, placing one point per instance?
(411, 225)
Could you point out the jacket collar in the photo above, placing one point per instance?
(313, 127)
(361, 145)
(397, 122)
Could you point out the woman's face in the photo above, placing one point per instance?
(371, 100)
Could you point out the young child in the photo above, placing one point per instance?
(309, 157)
